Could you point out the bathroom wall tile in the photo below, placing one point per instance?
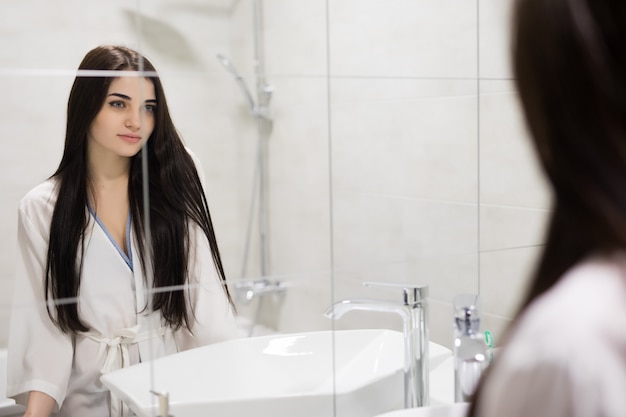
(509, 173)
(367, 230)
(31, 138)
(279, 13)
(494, 34)
(242, 35)
(181, 34)
(390, 136)
(378, 238)
(297, 177)
(441, 242)
(308, 296)
(295, 37)
(504, 227)
(298, 144)
(184, 35)
(78, 27)
(403, 38)
(504, 277)
(441, 323)
(295, 245)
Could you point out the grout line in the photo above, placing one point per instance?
(330, 202)
(538, 245)
(478, 263)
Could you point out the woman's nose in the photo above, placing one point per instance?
(133, 121)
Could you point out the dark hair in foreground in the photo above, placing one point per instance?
(570, 67)
(176, 197)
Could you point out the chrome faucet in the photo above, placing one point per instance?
(414, 312)
(248, 290)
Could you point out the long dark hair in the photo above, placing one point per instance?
(570, 68)
(176, 197)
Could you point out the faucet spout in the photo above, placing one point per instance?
(414, 313)
(365, 304)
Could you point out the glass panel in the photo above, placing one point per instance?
(404, 141)
(41, 46)
(342, 141)
(404, 133)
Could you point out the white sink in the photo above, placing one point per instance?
(277, 375)
(441, 396)
(7, 406)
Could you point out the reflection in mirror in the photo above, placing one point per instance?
(391, 149)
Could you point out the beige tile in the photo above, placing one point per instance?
(294, 37)
(509, 172)
(403, 38)
(299, 230)
(307, 297)
(414, 138)
(505, 227)
(495, 38)
(504, 277)
(386, 239)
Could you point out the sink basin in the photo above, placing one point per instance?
(7, 406)
(277, 375)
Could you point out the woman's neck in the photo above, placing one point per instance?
(108, 177)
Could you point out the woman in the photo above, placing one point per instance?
(92, 293)
(565, 354)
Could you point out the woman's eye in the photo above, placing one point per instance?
(117, 104)
(150, 108)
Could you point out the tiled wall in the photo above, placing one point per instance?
(397, 151)
(432, 177)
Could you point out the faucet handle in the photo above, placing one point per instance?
(412, 292)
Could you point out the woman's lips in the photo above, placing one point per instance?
(130, 138)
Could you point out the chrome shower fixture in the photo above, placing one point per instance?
(264, 91)
(242, 84)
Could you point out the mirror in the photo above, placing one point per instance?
(342, 141)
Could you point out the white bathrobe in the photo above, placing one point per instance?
(112, 303)
(566, 356)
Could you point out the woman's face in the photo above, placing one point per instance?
(126, 119)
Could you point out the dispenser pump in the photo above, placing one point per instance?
(467, 314)
(470, 350)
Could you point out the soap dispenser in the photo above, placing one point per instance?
(164, 403)
(471, 354)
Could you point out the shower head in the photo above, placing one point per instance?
(228, 65)
(242, 85)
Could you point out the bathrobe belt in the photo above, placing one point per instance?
(118, 356)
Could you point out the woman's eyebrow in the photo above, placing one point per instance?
(125, 97)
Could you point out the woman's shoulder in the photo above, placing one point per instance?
(40, 200)
(198, 166)
(570, 338)
(583, 300)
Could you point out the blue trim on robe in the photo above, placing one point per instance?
(128, 258)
